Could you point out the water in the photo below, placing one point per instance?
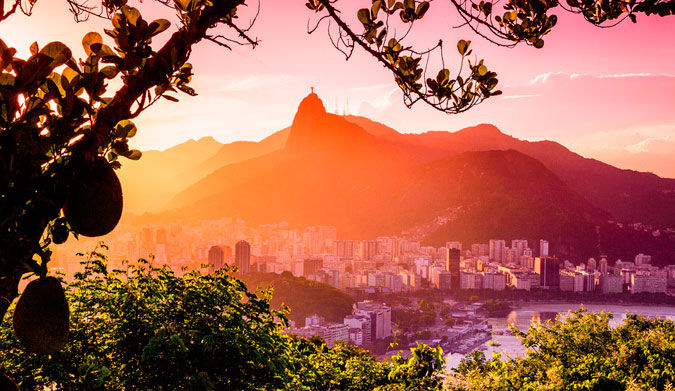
(522, 318)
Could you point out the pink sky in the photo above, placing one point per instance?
(605, 93)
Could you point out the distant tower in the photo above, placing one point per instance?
(452, 259)
(543, 248)
(216, 257)
(603, 266)
(242, 256)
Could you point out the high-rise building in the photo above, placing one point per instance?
(603, 266)
(543, 248)
(361, 322)
(548, 269)
(498, 250)
(380, 317)
(642, 259)
(368, 249)
(520, 245)
(344, 248)
(512, 257)
(310, 266)
(452, 258)
(242, 256)
(480, 250)
(456, 245)
(216, 257)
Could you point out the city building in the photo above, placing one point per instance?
(497, 250)
(368, 249)
(216, 257)
(452, 258)
(548, 269)
(360, 322)
(242, 256)
(543, 248)
(380, 317)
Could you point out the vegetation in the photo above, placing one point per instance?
(580, 352)
(144, 328)
(494, 308)
(302, 297)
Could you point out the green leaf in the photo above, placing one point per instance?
(539, 43)
(482, 70)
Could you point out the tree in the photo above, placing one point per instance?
(581, 351)
(144, 328)
(61, 133)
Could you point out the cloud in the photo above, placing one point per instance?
(556, 76)
(522, 96)
(659, 145)
(255, 82)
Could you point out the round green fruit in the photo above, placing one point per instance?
(41, 318)
(94, 204)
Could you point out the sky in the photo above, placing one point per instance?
(604, 93)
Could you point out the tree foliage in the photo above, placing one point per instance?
(144, 328)
(583, 351)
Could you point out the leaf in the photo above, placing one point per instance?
(133, 154)
(422, 9)
(376, 8)
(58, 52)
(90, 39)
(159, 25)
(462, 46)
(539, 43)
(482, 70)
(110, 71)
(364, 16)
(102, 50)
(170, 98)
(34, 49)
(131, 14)
(7, 79)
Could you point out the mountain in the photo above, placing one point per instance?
(471, 185)
(629, 195)
(333, 171)
(235, 152)
(149, 182)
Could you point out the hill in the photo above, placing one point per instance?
(303, 297)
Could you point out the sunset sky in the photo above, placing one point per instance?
(604, 93)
